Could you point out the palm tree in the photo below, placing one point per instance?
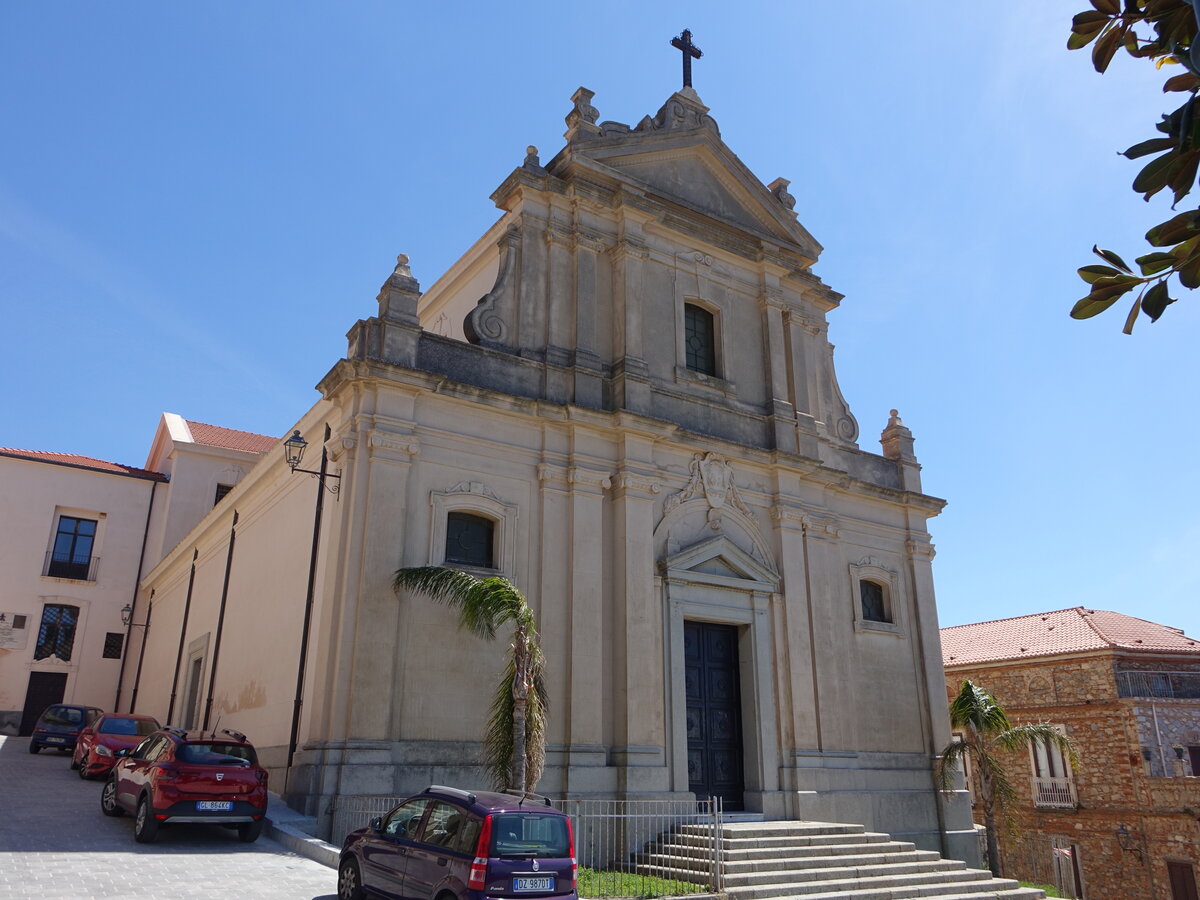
(514, 746)
(986, 729)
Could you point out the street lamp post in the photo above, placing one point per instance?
(293, 449)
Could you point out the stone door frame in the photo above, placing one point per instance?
(716, 581)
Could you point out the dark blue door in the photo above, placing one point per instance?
(714, 719)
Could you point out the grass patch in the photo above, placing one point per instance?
(1051, 890)
(594, 884)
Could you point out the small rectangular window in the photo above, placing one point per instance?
(699, 336)
(113, 642)
(71, 556)
(874, 607)
(222, 490)
(470, 540)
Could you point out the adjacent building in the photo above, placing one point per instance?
(76, 535)
(1126, 823)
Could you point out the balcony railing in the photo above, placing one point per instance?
(1170, 685)
(1054, 793)
(59, 566)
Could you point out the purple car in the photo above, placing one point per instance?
(447, 844)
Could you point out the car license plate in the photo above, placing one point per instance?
(214, 805)
(56, 740)
(543, 883)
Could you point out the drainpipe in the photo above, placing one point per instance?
(1162, 756)
(133, 603)
(212, 675)
(308, 608)
(187, 609)
(137, 678)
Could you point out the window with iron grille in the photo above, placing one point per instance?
(470, 540)
(56, 636)
(72, 553)
(699, 336)
(113, 642)
(874, 603)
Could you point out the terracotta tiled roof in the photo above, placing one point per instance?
(82, 462)
(230, 438)
(1072, 630)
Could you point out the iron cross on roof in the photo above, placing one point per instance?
(690, 51)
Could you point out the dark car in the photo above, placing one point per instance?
(96, 750)
(59, 726)
(176, 777)
(449, 844)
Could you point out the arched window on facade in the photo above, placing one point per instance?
(874, 601)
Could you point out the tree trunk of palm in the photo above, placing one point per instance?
(520, 691)
(993, 844)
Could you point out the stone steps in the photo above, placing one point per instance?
(819, 861)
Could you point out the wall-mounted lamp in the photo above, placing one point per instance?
(1178, 751)
(293, 452)
(1127, 841)
(127, 616)
(1147, 754)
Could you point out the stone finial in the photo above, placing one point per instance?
(779, 187)
(399, 294)
(897, 440)
(531, 158)
(581, 121)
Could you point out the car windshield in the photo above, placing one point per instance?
(62, 715)
(216, 754)
(139, 727)
(529, 834)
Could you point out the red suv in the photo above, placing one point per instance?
(176, 777)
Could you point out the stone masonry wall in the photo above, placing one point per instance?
(1114, 783)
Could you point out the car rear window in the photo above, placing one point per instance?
(62, 715)
(140, 727)
(216, 754)
(529, 834)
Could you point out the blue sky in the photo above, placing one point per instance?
(198, 200)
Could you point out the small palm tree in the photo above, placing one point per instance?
(986, 729)
(514, 746)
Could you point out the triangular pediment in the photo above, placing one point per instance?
(720, 560)
(679, 156)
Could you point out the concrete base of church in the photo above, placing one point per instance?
(883, 792)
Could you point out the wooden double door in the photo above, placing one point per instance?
(714, 712)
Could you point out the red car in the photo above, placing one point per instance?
(176, 777)
(97, 746)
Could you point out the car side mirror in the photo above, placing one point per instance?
(377, 823)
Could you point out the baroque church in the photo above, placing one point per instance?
(622, 398)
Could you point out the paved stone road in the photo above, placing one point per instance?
(56, 844)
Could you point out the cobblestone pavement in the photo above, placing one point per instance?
(56, 844)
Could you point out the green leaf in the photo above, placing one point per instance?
(1100, 299)
(1183, 175)
(1110, 257)
(1145, 148)
(1153, 178)
(1132, 317)
(1174, 230)
(1085, 27)
(1106, 7)
(1153, 263)
(1106, 48)
(1189, 274)
(1156, 300)
(1091, 273)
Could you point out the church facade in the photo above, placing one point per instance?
(623, 399)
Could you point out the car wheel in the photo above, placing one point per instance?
(108, 799)
(81, 768)
(349, 882)
(34, 747)
(145, 826)
(75, 760)
(248, 832)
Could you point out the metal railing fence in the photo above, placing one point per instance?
(1054, 793)
(1169, 685)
